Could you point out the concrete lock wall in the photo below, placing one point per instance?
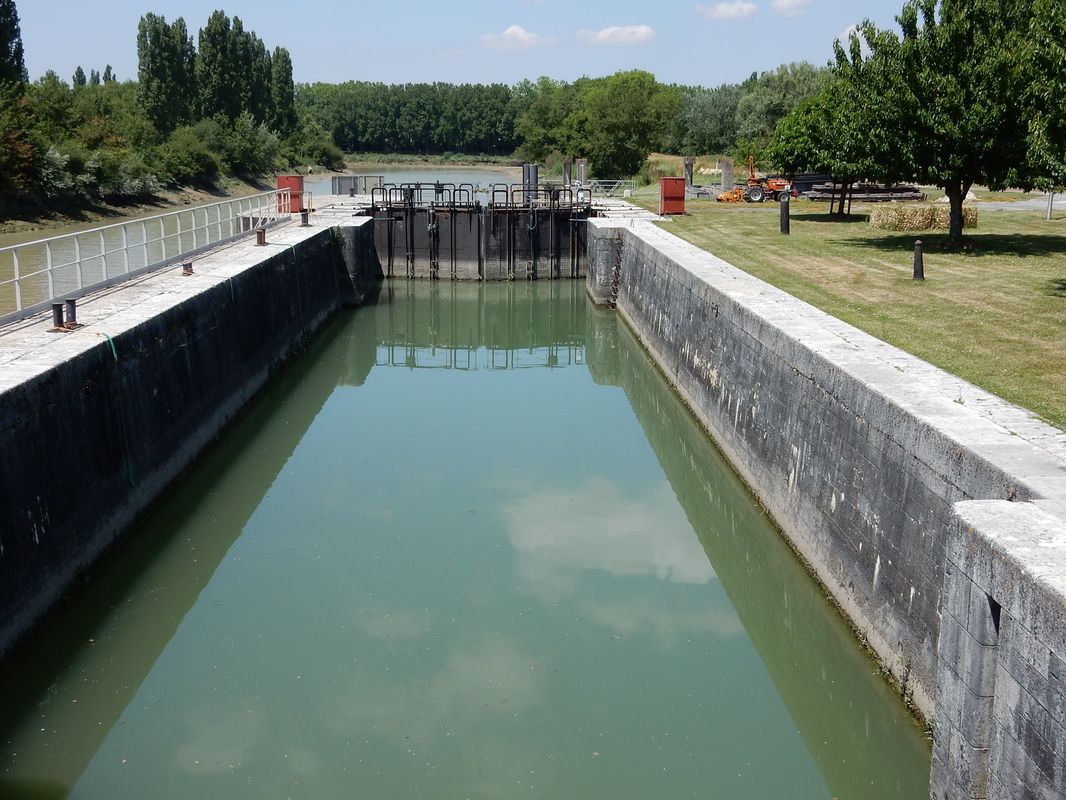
(861, 454)
(89, 441)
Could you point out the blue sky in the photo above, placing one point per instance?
(706, 43)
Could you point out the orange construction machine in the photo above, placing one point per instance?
(756, 190)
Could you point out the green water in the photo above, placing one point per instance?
(469, 546)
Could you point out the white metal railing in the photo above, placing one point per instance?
(37, 274)
(611, 188)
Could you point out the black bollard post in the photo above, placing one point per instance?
(785, 222)
(57, 315)
(919, 265)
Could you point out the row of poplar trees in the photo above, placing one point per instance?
(230, 74)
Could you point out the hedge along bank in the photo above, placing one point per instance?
(874, 464)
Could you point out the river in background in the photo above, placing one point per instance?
(468, 545)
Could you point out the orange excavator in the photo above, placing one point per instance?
(756, 190)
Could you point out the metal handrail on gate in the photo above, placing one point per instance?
(48, 271)
(608, 188)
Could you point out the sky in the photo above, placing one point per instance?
(471, 41)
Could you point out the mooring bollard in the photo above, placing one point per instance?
(351, 191)
(72, 314)
(260, 236)
(57, 315)
(305, 218)
(919, 265)
(785, 222)
(186, 269)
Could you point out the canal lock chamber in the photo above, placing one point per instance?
(469, 541)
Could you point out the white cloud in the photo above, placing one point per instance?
(790, 7)
(514, 38)
(559, 533)
(735, 10)
(844, 37)
(619, 34)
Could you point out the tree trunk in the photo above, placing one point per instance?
(956, 191)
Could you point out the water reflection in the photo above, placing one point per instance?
(393, 581)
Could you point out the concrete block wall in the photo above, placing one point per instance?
(98, 421)
(1001, 717)
(860, 452)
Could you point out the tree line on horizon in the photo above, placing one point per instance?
(614, 121)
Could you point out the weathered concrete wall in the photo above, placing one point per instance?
(98, 421)
(859, 451)
(1001, 716)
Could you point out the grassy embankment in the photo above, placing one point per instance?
(993, 312)
(26, 225)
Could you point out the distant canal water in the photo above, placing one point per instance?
(469, 545)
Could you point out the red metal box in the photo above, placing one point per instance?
(671, 195)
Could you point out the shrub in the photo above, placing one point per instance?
(900, 217)
(185, 158)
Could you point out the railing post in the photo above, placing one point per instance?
(144, 240)
(103, 256)
(18, 280)
(77, 258)
(125, 251)
(48, 267)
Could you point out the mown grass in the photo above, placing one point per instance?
(992, 312)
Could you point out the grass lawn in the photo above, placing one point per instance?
(993, 313)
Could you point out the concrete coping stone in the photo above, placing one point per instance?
(29, 348)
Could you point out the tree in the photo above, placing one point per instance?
(552, 118)
(52, 103)
(217, 73)
(772, 95)
(79, 79)
(94, 77)
(947, 94)
(166, 72)
(283, 92)
(1045, 63)
(624, 116)
(17, 153)
(109, 75)
(12, 64)
(826, 133)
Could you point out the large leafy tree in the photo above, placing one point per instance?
(624, 117)
(947, 94)
(1046, 65)
(166, 74)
